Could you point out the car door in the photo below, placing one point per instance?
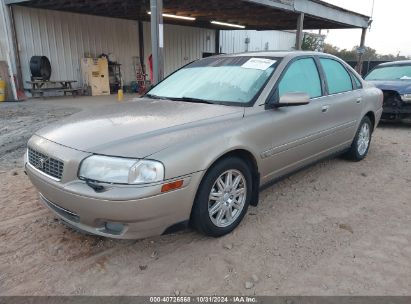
(294, 136)
(342, 104)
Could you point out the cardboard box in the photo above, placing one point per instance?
(95, 75)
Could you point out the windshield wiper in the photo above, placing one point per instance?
(187, 99)
(192, 99)
(156, 96)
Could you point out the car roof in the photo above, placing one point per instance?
(278, 54)
(395, 63)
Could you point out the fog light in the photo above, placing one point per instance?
(113, 228)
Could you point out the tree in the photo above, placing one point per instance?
(312, 42)
(331, 49)
(352, 55)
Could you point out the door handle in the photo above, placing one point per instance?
(358, 100)
(324, 108)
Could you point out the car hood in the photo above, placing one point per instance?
(135, 129)
(400, 86)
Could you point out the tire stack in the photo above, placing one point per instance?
(40, 68)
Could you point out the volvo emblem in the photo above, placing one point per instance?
(40, 163)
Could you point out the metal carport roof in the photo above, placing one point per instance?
(253, 14)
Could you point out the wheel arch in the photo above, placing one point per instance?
(251, 160)
(371, 116)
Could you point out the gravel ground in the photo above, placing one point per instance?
(336, 228)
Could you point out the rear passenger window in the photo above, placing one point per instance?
(301, 77)
(337, 76)
(357, 82)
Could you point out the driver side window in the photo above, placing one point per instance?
(301, 77)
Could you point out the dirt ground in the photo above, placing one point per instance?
(337, 228)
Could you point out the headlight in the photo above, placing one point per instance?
(406, 97)
(121, 170)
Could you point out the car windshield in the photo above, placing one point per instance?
(221, 80)
(400, 72)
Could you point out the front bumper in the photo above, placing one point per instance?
(396, 113)
(398, 110)
(394, 107)
(125, 212)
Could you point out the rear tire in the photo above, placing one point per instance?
(361, 144)
(223, 197)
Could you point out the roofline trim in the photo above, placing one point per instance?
(319, 9)
(323, 10)
(315, 8)
(340, 8)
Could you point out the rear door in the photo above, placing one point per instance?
(343, 102)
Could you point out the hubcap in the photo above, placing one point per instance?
(227, 198)
(363, 139)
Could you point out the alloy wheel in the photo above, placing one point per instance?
(227, 198)
(363, 139)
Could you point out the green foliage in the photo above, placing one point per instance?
(352, 55)
(312, 42)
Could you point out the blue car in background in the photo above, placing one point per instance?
(394, 79)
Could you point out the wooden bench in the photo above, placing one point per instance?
(39, 87)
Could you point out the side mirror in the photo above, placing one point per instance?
(292, 100)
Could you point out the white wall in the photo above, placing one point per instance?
(66, 37)
(182, 45)
(235, 41)
(3, 32)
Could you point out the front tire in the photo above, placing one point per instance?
(223, 197)
(361, 144)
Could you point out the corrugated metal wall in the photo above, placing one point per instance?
(3, 36)
(235, 41)
(65, 38)
(182, 44)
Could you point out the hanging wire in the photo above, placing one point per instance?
(372, 14)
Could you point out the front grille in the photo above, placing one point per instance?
(46, 164)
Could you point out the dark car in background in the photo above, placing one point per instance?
(394, 79)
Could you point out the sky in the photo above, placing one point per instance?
(390, 30)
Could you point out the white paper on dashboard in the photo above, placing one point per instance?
(258, 63)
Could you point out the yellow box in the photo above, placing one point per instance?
(2, 90)
(95, 75)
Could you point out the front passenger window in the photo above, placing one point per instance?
(301, 77)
